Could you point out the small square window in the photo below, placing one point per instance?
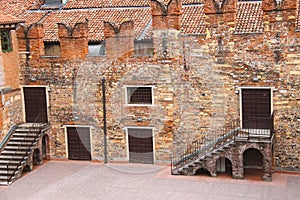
(139, 95)
(97, 49)
(52, 49)
(6, 41)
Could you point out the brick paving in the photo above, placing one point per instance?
(88, 180)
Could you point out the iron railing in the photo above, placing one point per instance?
(230, 132)
(7, 136)
(257, 127)
(202, 147)
(35, 128)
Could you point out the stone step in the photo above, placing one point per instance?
(22, 139)
(7, 172)
(12, 158)
(11, 152)
(18, 143)
(9, 167)
(2, 182)
(5, 178)
(22, 134)
(11, 162)
(24, 131)
(16, 148)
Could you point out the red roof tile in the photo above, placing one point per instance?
(193, 20)
(18, 7)
(249, 17)
(72, 4)
(140, 16)
(8, 19)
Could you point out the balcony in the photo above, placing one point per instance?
(259, 129)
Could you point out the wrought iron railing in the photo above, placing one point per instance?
(202, 147)
(7, 136)
(34, 128)
(257, 127)
(230, 132)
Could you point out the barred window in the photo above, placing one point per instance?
(139, 95)
(6, 41)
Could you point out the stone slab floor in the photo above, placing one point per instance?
(73, 180)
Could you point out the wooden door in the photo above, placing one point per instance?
(256, 108)
(140, 143)
(35, 104)
(79, 147)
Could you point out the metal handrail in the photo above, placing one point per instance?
(34, 126)
(200, 148)
(7, 136)
(268, 125)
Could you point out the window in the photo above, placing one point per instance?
(53, 2)
(97, 49)
(140, 95)
(6, 41)
(52, 49)
(143, 48)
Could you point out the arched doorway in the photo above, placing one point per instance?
(45, 148)
(224, 167)
(253, 164)
(36, 159)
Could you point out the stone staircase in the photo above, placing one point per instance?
(202, 161)
(201, 155)
(17, 150)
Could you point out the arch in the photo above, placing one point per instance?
(36, 157)
(26, 169)
(224, 166)
(253, 163)
(45, 147)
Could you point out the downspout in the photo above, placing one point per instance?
(104, 120)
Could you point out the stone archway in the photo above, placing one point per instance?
(36, 158)
(224, 166)
(253, 163)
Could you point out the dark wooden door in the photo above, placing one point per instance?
(79, 147)
(35, 104)
(256, 108)
(140, 143)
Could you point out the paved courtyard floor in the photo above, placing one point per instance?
(60, 180)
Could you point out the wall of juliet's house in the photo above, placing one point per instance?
(11, 107)
(196, 79)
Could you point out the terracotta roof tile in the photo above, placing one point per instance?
(193, 20)
(72, 4)
(249, 17)
(8, 19)
(18, 7)
(140, 16)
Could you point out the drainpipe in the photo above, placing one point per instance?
(104, 120)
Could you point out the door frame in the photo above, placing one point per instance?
(47, 90)
(65, 127)
(272, 89)
(140, 127)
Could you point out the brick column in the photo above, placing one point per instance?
(119, 40)
(166, 24)
(73, 41)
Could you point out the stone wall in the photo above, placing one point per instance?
(195, 79)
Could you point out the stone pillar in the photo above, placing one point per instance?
(119, 40)
(267, 162)
(73, 41)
